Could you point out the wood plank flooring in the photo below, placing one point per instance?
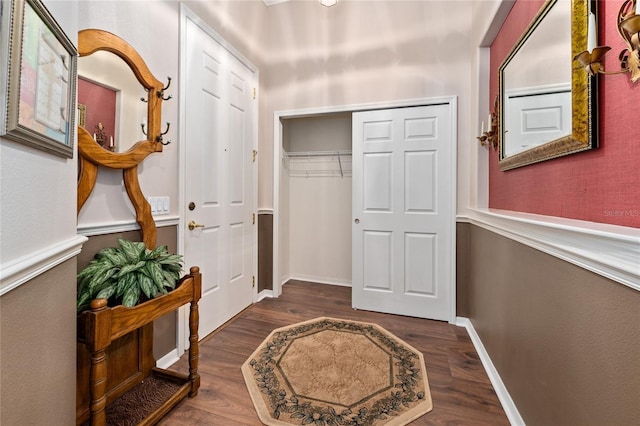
(460, 389)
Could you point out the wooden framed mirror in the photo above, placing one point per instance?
(92, 154)
(548, 104)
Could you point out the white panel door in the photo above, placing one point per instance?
(536, 117)
(403, 211)
(219, 177)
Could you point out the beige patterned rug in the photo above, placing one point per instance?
(330, 372)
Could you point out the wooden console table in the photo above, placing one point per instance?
(115, 354)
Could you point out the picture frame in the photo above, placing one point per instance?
(39, 94)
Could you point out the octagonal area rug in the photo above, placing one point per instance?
(329, 372)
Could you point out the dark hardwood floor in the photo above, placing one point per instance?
(460, 389)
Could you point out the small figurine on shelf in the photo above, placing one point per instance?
(101, 137)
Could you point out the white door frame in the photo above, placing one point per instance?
(452, 101)
(182, 326)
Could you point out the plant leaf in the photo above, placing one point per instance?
(155, 273)
(124, 283)
(116, 258)
(172, 259)
(106, 293)
(90, 269)
(127, 269)
(131, 296)
(146, 285)
(169, 279)
(100, 277)
(131, 250)
(156, 253)
(83, 301)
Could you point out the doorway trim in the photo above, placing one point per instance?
(182, 322)
(452, 101)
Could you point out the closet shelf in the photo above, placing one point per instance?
(318, 163)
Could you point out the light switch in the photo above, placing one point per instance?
(153, 201)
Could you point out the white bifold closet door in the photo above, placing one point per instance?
(404, 211)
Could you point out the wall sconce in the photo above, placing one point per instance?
(629, 29)
(490, 137)
(328, 3)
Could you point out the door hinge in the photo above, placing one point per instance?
(253, 218)
(254, 153)
(254, 93)
(253, 281)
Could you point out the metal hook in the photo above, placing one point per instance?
(168, 84)
(143, 131)
(161, 92)
(159, 137)
(143, 99)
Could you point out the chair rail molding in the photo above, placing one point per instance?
(111, 227)
(608, 250)
(18, 271)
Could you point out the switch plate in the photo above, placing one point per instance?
(159, 205)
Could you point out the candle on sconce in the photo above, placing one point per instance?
(489, 125)
(94, 137)
(592, 34)
(482, 128)
(111, 141)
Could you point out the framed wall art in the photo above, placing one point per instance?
(40, 69)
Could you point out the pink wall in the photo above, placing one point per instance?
(602, 185)
(101, 106)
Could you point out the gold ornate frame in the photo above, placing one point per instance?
(584, 100)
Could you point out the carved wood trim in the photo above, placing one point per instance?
(86, 180)
(141, 205)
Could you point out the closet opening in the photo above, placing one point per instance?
(316, 197)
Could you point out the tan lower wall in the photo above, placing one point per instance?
(38, 350)
(564, 340)
(164, 328)
(265, 252)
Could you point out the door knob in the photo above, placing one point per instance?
(357, 220)
(192, 225)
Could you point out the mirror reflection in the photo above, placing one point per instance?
(547, 102)
(537, 85)
(109, 102)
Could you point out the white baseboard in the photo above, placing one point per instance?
(498, 386)
(264, 294)
(320, 280)
(168, 360)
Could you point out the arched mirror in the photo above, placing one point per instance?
(548, 104)
(117, 68)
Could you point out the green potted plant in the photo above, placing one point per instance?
(128, 274)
